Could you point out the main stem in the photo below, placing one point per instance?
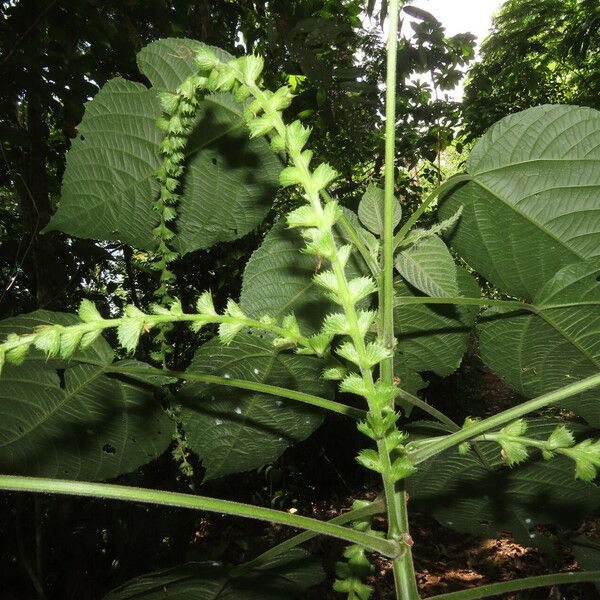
(404, 571)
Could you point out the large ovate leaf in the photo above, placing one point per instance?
(537, 353)
(485, 499)
(72, 420)
(234, 430)
(109, 185)
(278, 280)
(429, 266)
(532, 205)
(286, 576)
(434, 337)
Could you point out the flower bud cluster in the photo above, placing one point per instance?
(177, 119)
(56, 341)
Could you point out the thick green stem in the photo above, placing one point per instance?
(255, 386)
(527, 583)
(133, 494)
(387, 295)
(476, 429)
(404, 572)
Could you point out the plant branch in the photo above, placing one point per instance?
(527, 583)
(421, 404)
(475, 429)
(255, 386)
(16, 483)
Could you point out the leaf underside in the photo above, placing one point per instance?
(532, 205)
(109, 184)
(234, 430)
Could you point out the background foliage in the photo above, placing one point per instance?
(56, 57)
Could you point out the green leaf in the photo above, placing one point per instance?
(71, 420)
(371, 210)
(109, 184)
(278, 280)
(532, 205)
(429, 267)
(234, 430)
(435, 337)
(285, 576)
(535, 354)
(464, 494)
